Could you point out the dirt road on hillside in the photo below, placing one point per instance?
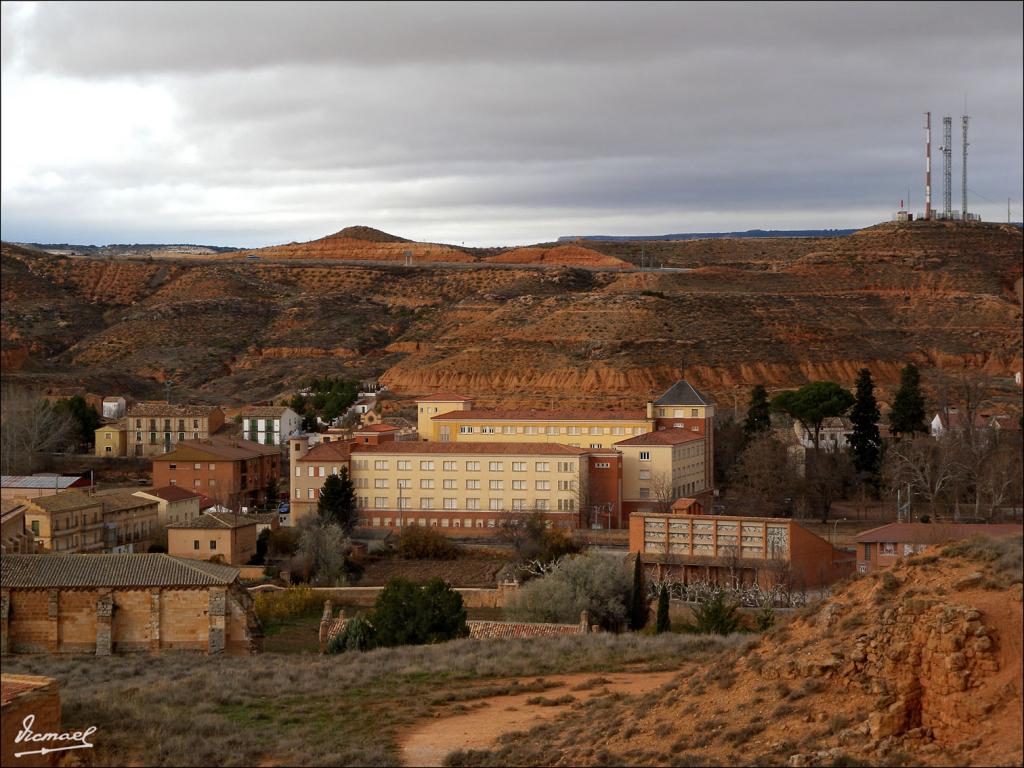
(427, 744)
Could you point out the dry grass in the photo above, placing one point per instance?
(177, 709)
(1003, 558)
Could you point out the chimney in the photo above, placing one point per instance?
(650, 410)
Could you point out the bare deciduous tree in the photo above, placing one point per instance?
(928, 465)
(29, 427)
(763, 478)
(662, 491)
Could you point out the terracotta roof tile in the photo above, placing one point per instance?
(12, 686)
(377, 428)
(263, 411)
(162, 410)
(336, 450)
(444, 398)
(227, 449)
(216, 520)
(63, 502)
(934, 533)
(488, 630)
(663, 437)
(84, 571)
(171, 493)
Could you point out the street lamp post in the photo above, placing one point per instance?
(835, 524)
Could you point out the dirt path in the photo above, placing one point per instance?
(428, 744)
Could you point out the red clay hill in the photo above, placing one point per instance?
(361, 243)
(778, 312)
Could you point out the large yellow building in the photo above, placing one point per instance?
(660, 467)
(448, 485)
(474, 467)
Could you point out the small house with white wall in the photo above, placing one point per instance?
(269, 424)
(114, 407)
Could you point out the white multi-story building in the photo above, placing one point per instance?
(269, 424)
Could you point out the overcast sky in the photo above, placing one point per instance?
(491, 124)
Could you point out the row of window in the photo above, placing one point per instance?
(444, 522)
(678, 413)
(494, 505)
(167, 437)
(470, 429)
(167, 424)
(212, 466)
(470, 485)
(446, 466)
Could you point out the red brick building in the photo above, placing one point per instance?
(234, 473)
(880, 548)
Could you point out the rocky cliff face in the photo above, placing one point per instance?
(747, 312)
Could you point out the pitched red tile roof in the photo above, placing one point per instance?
(935, 533)
(539, 415)
(215, 520)
(663, 437)
(264, 411)
(441, 397)
(494, 630)
(377, 428)
(139, 570)
(226, 449)
(161, 410)
(336, 450)
(171, 493)
(518, 449)
(12, 686)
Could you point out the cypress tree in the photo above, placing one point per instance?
(664, 623)
(865, 442)
(907, 415)
(638, 607)
(338, 501)
(758, 412)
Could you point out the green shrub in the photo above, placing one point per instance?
(663, 623)
(422, 543)
(595, 583)
(765, 617)
(357, 635)
(716, 614)
(409, 614)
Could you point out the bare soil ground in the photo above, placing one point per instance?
(429, 743)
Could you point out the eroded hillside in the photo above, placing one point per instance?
(774, 311)
(920, 665)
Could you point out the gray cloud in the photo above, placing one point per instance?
(499, 123)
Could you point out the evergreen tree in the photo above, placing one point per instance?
(86, 418)
(813, 403)
(758, 412)
(664, 623)
(638, 606)
(717, 614)
(865, 442)
(338, 501)
(907, 415)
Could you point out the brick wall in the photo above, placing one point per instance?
(102, 621)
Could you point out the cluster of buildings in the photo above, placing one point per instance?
(471, 468)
